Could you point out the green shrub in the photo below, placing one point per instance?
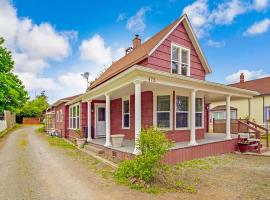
(152, 144)
(41, 129)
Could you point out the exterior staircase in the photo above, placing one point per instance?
(94, 149)
(250, 141)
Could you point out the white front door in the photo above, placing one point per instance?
(100, 120)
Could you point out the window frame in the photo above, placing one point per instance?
(155, 95)
(202, 112)
(123, 113)
(61, 115)
(180, 47)
(188, 112)
(76, 117)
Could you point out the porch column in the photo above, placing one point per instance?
(89, 138)
(193, 119)
(137, 115)
(108, 121)
(228, 118)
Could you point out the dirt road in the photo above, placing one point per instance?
(31, 169)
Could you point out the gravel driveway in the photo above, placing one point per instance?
(31, 169)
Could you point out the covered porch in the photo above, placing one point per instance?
(129, 145)
(173, 103)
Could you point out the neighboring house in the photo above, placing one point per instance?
(160, 83)
(256, 108)
(49, 119)
(57, 116)
(7, 120)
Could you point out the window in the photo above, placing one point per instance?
(61, 116)
(74, 117)
(181, 112)
(199, 112)
(126, 113)
(221, 115)
(163, 111)
(180, 60)
(267, 114)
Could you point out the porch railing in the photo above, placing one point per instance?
(266, 131)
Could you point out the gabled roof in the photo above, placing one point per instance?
(261, 85)
(66, 99)
(147, 48)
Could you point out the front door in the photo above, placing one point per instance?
(100, 120)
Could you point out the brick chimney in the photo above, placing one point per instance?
(136, 41)
(242, 78)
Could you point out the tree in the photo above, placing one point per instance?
(35, 107)
(12, 91)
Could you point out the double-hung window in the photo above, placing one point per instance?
(180, 60)
(199, 112)
(61, 116)
(163, 110)
(74, 117)
(181, 112)
(126, 113)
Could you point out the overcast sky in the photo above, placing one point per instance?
(53, 42)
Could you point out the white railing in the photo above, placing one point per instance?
(3, 125)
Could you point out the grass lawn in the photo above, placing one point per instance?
(227, 176)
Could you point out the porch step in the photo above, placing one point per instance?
(93, 149)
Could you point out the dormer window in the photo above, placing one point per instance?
(180, 60)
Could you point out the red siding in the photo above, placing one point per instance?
(200, 151)
(184, 135)
(182, 154)
(61, 124)
(161, 57)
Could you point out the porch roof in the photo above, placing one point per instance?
(152, 76)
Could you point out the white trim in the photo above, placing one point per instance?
(95, 114)
(233, 90)
(155, 95)
(180, 47)
(125, 99)
(77, 125)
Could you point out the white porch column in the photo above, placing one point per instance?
(228, 118)
(193, 119)
(137, 115)
(108, 121)
(89, 138)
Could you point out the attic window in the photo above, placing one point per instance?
(180, 60)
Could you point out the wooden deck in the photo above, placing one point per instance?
(212, 145)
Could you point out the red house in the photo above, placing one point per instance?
(60, 114)
(160, 83)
